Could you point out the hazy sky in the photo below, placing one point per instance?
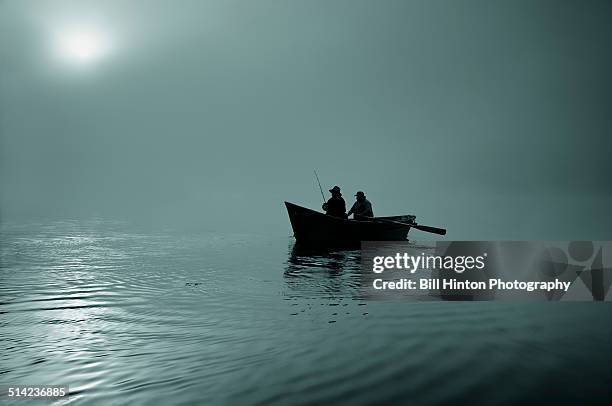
(491, 118)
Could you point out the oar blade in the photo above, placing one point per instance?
(429, 229)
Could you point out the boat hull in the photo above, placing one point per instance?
(313, 228)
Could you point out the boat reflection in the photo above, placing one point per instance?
(315, 272)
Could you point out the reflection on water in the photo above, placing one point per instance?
(131, 317)
(324, 277)
(320, 272)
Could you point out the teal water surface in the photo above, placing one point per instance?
(124, 316)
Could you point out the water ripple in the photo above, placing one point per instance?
(140, 318)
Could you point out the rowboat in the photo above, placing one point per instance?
(314, 228)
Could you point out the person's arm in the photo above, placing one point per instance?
(370, 212)
(360, 209)
(352, 210)
(325, 206)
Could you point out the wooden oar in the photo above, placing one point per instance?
(427, 229)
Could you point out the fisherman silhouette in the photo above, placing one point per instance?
(362, 208)
(335, 206)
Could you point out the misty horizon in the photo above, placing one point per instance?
(491, 120)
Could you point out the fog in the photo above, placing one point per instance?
(489, 118)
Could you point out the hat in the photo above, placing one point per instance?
(360, 193)
(335, 189)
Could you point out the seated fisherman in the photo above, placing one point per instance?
(335, 206)
(362, 208)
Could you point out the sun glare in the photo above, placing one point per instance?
(82, 45)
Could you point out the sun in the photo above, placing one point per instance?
(82, 45)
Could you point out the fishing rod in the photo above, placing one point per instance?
(320, 188)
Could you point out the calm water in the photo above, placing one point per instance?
(128, 317)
